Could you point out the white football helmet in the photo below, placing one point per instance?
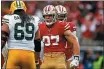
(61, 13)
(49, 14)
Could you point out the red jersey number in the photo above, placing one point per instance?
(51, 40)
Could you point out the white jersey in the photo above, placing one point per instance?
(21, 35)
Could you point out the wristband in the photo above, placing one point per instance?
(76, 57)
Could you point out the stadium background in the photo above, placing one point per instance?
(89, 18)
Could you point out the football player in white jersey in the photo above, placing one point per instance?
(20, 30)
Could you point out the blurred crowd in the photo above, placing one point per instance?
(89, 18)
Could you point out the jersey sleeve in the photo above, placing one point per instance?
(69, 26)
(36, 20)
(64, 26)
(73, 28)
(7, 20)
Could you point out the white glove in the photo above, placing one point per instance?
(75, 62)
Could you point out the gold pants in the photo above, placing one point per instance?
(20, 59)
(53, 60)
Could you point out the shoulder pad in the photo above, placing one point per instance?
(6, 18)
(67, 26)
(36, 18)
(73, 27)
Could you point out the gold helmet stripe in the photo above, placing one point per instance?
(18, 4)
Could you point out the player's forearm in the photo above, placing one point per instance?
(37, 56)
(76, 48)
(74, 40)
